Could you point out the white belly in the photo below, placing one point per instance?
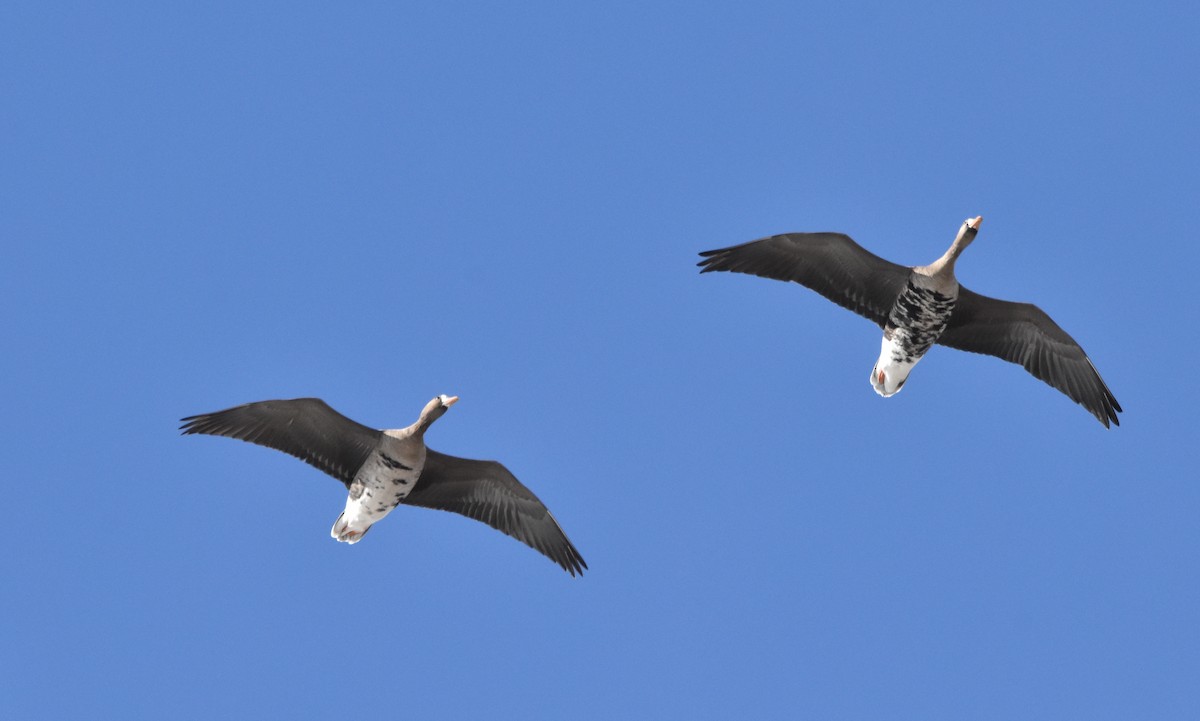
(380, 485)
(895, 370)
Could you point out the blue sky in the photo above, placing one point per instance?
(211, 204)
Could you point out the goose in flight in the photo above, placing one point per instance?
(917, 307)
(383, 469)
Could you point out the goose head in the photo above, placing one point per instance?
(435, 409)
(967, 232)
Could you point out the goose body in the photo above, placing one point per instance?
(385, 469)
(917, 307)
(916, 321)
(385, 479)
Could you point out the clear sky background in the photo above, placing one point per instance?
(208, 204)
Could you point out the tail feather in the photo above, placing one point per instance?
(345, 532)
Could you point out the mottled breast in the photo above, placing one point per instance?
(387, 477)
(917, 320)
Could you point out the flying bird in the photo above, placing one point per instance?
(383, 469)
(919, 306)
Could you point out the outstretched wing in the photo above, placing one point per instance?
(488, 492)
(830, 263)
(1022, 333)
(306, 428)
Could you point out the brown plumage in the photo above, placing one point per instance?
(366, 460)
(835, 266)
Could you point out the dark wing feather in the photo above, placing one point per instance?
(488, 492)
(306, 428)
(1022, 333)
(830, 263)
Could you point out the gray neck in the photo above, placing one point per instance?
(428, 416)
(943, 268)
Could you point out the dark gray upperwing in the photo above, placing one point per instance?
(1022, 333)
(488, 492)
(830, 263)
(306, 428)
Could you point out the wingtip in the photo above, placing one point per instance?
(567, 557)
(1107, 415)
(713, 261)
(189, 424)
